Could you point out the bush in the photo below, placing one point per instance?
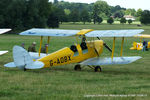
(145, 17)
(110, 20)
(129, 21)
(123, 20)
(99, 20)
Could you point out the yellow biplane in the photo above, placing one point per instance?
(139, 45)
(87, 53)
(1, 32)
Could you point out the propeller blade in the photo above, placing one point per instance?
(106, 46)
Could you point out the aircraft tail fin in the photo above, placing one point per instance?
(22, 60)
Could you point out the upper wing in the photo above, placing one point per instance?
(86, 32)
(49, 32)
(4, 30)
(110, 61)
(113, 33)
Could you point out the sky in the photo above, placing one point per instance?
(136, 4)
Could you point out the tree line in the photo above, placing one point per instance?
(26, 14)
(97, 12)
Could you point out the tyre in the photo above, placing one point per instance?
(77, 67)
(98, 69)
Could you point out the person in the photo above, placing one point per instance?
(144, 45)
(83, 43)
(32, 47)
(22, 45)
(83, 39)
(43, 49)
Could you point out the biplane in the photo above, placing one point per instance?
(139, 45)
(1, 32)
(86, 53)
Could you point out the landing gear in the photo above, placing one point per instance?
(98, 69)
(77, 67)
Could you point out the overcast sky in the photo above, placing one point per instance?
(143, 4)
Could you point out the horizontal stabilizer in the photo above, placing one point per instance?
(35, 65)
(36, 56)
(110, 61)
(3, 52)
(10, 65)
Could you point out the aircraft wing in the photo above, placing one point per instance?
(4, 30)
(86, 32)
(49, 32)
(114, 33)
(3, 52)
(142, 36)
(109, 61)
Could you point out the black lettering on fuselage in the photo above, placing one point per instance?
(69, 57)
(60, 60)
(65, 58)
(51, 62)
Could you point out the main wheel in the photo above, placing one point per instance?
(98, 69)
(77, 67)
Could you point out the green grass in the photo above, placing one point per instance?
(63, 83)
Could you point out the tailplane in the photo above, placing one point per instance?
(23, 60)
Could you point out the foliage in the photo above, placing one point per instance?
(99, 20)
(110, 20)
(145, 17)
(123, 20)
(67, 11)
(37, 13)
(129, 21)
(119, 14)
(72, 6)
(24, 14)
(55, 1)
(74, 16)
(100, 7)
(53, 19)
(130, 12)
(85, 17)
(139, 12)
(116, 8)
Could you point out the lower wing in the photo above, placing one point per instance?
(110, 61)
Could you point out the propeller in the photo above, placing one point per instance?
(106, 46)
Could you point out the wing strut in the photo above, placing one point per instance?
(122, 46)
(113, 49)
(40, 45)
(47, 44)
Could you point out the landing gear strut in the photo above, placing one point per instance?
(98, 69)
(77, 67)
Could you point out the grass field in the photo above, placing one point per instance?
(63, 83)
